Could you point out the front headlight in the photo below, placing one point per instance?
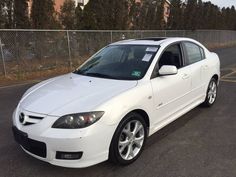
(80, 120)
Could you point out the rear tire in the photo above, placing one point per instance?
(211, 94)
(129, 139)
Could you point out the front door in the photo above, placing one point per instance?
(171, 93)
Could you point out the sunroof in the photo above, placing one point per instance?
(153, 38)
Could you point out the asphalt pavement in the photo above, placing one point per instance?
(201, 143)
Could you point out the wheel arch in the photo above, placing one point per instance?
(216, 77)
(140, 112)
(143, 114)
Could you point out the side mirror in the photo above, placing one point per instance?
(168, 70)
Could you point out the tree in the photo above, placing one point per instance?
(67, 14)
(106, 14)
(135, 14)
(152, 15)
(176, 15)
(201, 14)
(151, 11)
(119, 12)
(6, 13)
(21, 16)
(159, 16)
(145, 16)
(3, 14)
(90, 15)
(232, 18)
(43, 14)
(10, 4)
(79, 22)
(190, 12)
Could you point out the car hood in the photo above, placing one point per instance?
(72, 93)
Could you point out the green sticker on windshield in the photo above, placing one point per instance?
(136, 73)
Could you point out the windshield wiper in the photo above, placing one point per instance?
(99, 75)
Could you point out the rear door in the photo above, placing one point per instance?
(195, 58)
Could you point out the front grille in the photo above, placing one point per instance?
(28, 119)
(28, 123)
(35, 117)
(35, 147)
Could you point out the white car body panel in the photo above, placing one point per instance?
(166, 102)
(163, 99)
(69, 88)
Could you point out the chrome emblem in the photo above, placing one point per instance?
(22, 118)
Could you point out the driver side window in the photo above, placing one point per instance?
(172, 56)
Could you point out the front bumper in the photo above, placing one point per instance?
(93, 142)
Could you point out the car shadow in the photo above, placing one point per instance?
(173, 126)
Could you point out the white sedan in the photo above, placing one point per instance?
(108, 107)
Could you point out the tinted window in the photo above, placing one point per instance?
(124, 62)
(172, 56)
(193, 52)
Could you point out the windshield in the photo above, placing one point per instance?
(123, 62)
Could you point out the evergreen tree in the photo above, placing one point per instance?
(151, 15)
(90, 15)
(190, 20)
(21, 16)
(135, 15)
(106, 14)
(3, 14)
(79, 22)
(6, 14)
(232, 18)
(117, 15)
(43, 14)
(159, 16)
(67, 14)
(200, 15)
(176, 15)
(121, 14)
(10, 4)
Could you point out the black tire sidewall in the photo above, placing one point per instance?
(114, 154)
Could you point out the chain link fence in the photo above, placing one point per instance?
(31, 54)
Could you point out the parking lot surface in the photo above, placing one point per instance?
(201, 143)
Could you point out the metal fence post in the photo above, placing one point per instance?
(69, 50)
(141, 32)
(3, 60)
(111, 36)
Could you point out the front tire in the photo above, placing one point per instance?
(211, 95)
(129, 139)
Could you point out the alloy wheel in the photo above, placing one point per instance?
(131, 140)
(212, 92)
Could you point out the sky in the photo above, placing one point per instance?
(223, 3)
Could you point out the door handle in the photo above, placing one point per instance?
(205, 66)
(185, 76)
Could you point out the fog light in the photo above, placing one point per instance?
(69, 155)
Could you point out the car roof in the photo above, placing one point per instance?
(151, 41)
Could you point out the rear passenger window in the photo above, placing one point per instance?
(194, 52)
